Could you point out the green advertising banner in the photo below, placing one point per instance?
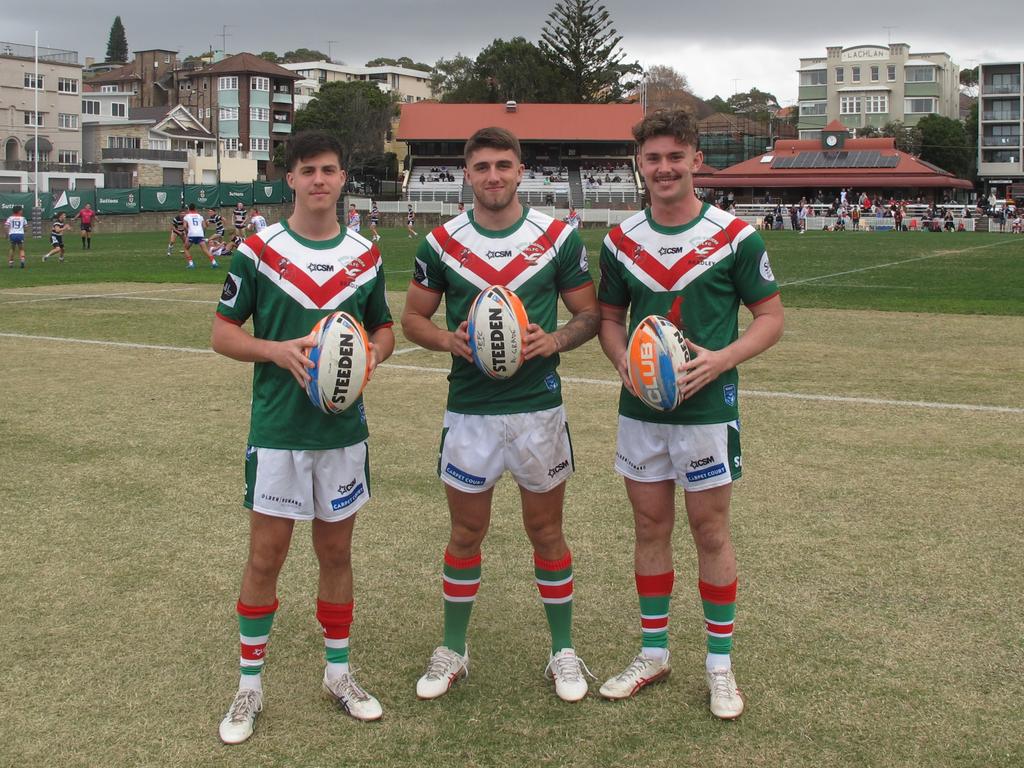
(203, 195)
(264, 192)
(71, 201)
(160, 198)
(117, 200)
(10, 199)
(235, 193)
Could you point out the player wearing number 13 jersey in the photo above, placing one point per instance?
(516, 424)
(693, 264)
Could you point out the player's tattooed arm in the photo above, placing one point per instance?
(586, 317)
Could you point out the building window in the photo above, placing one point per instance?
(259, 145)
(32, 81)
(159, 143)
(118, 109)
(167, 58)
(124, 142)
(876, 105)
(204, 85)
(259, 84)
(849, 105)
(227, 83)
(855, 74)
(839, 74)
(67, 120)
(259, 113)
(67, 85)
(809, 108)
(34, 119)
(890, 72)
(231, 145)
(814, 77)
(920, 74)
(67, 156)
(90, 107)
(228, 113)
(875, 73)
(918, 106)
(815, 134)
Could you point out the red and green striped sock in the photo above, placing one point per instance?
(254, 622)
(554, 581)
(461, 582)
(719, 615)
(335, 620)
(655, 592)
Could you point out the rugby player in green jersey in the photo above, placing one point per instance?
(694, 264)
(517, 424)
(301, 464)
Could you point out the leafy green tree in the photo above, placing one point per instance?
(303, 54)
(969, 77)
(971, 131)
(944, 143)
(117, 43)
(755, 104)
(908, 138)
(720, 105)
(515, 70)
(454, 80)
(401, 61)
(357, 113)
(270, 56)
(581, 40)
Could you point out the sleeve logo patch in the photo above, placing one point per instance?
(584, 261)
(766, 268)
(419, 273)
(232, 284)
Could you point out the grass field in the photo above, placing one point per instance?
(878, 528)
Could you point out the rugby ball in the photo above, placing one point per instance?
(341, 362)
(655, 352)
(497, 322)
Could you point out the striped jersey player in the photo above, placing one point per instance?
(301, 464)
(517, 424)
(695, 265)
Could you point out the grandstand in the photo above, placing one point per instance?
(564, 145)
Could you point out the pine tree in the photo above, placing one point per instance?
(579, 38)
(117, 43)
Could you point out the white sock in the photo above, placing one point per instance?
(250, 682)
(335, 670)
(658, 654)
(718, 661)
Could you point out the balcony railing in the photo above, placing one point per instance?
(160, 155)
(1000, 141)
(995, 89)
(1002, 115)
(280, 97)
(281, 127)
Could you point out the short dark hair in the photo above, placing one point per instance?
(680, 124)
(310, 144)
(191, 206)
(494, 138)
(17, 209)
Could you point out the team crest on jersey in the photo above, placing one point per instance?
(283, 267)
(464, 256)
(534, 251)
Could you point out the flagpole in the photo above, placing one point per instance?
(35, 121)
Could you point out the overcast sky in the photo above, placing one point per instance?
(720, 47)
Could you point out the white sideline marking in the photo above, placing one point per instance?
(121, 295)
(569, 379)
(935, 255)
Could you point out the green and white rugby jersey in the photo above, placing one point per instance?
(539, 258)
(696, 275)
(286, 284)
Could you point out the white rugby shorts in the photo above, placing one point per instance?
(329, 485)
(534, 447)
(696, 456)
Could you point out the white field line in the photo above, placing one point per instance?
(570, 379)
(120, 295)
(935, 255)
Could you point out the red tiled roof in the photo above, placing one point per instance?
(431, 121)
(908, 172)
(246, 62)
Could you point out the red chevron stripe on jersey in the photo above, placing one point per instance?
(669, 276)
(319, 294)
(510, 271)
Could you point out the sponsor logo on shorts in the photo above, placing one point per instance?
(281, 500)
(349, 487)
(343, 501)
(630, 464)
(551, 382)
(463, 477)
(705, 474)
(563, 464)
(729, 393)
(698, 463)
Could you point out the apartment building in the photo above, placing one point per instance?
(999, 127)
(409, 85)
